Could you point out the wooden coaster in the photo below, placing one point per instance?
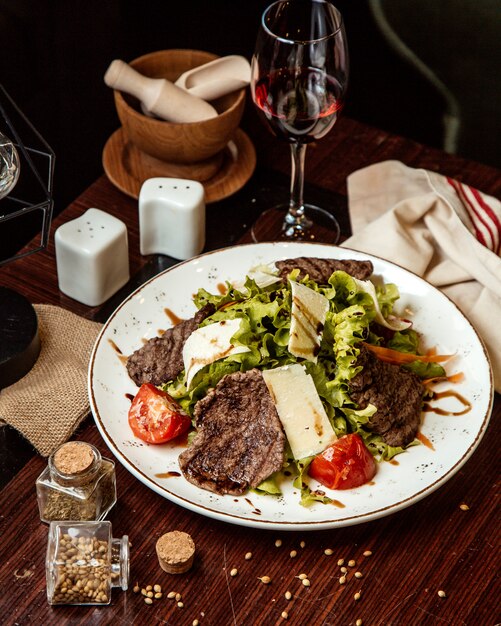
(201, 171)
(127, 167)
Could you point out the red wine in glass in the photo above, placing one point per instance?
(299, 105)
(299, 75)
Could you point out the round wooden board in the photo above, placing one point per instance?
(127, 168)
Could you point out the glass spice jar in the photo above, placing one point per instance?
(84, 562)
(77, 484)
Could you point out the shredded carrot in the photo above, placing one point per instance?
(453, 378)
(424, 440)
(228, 304)
(396, 357)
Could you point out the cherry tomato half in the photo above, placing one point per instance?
(345, 464)
(155, 417)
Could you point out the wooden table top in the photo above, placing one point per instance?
(431, 546)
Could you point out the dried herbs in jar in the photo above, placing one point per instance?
(78, 484)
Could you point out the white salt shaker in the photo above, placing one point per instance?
(92, 256)
(172, 217)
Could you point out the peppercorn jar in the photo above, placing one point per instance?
(77, 484)
(84, 562)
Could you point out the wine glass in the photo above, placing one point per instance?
(299, 75)
(9, 166)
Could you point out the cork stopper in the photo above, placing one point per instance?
(74, 457)
(176, 552)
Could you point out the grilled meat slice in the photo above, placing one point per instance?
(240, 440)
(161, 358)
(397, 394)
(320, 270)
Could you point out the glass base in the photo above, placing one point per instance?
(319, 225)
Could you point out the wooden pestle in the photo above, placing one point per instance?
(216, 78)
(158, 95)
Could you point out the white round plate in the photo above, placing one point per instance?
(420, 470)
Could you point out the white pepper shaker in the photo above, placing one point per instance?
(172, 217)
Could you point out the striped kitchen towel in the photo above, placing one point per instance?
(480, 213)
(443, 230)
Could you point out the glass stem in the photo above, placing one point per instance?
(295, 215)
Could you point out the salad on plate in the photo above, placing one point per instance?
(302, 372)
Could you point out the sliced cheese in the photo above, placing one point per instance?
(262, 275)
(392, 322)
(309, 310)
(208, 344)
(300, 410)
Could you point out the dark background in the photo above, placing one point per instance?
(54, 54)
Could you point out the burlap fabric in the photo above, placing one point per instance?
(48, 404)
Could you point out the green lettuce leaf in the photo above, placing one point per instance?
(387, 295)
(405, 341)
(308, 496)
(270, 486)
(408, 341)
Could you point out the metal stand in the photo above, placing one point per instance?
(33, 191)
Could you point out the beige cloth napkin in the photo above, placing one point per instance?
(443, 230)
(48, 404)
